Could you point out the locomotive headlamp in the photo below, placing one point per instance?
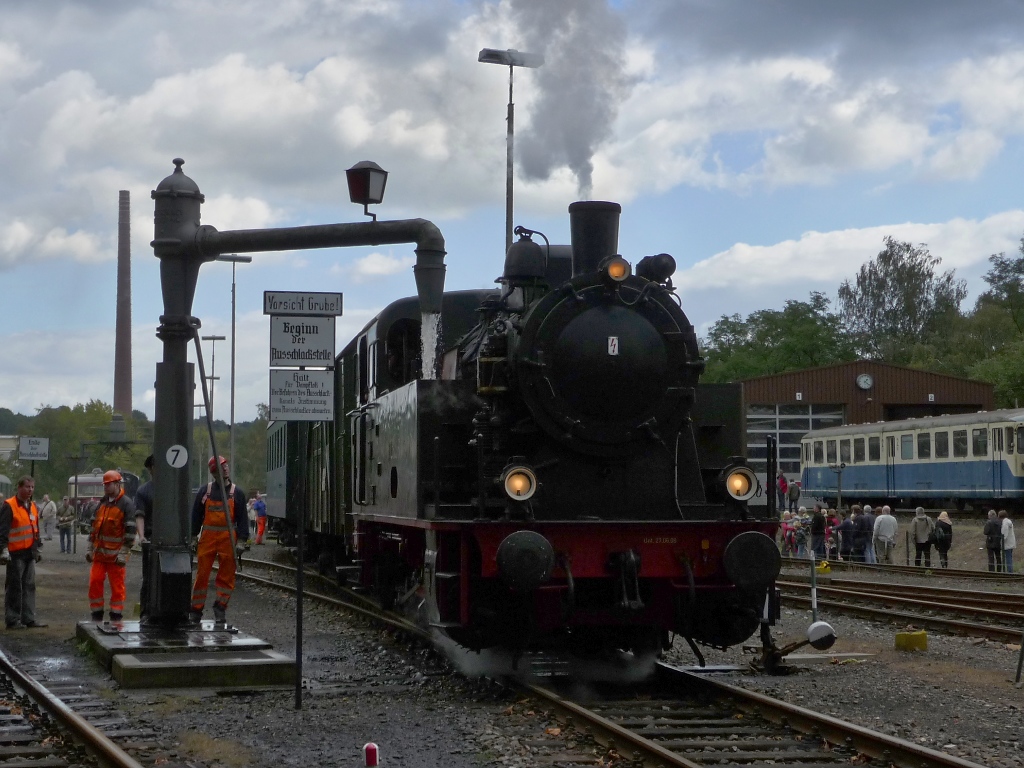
(519, 482)
(617, 269)
(741, 483)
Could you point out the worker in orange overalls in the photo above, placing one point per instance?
(110, 542)
(215, 542)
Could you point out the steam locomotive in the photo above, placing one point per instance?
(558, 479)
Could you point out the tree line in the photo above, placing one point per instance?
(80, 441)
(897, 309)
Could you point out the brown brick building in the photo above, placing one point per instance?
(791, 404)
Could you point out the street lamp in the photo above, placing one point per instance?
(510, 58)
(234, 258)
(366, 182)
(213, 370)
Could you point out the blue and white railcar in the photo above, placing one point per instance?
(973, 458)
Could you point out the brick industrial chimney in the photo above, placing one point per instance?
(123, 327)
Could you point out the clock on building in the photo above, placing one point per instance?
(865, 381)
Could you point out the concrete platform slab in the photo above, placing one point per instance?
(227, 669)
(202, 656)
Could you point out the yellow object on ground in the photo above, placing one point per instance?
(823, 567)
(912, 641)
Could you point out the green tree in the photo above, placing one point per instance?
(803, 334)
(897, 301)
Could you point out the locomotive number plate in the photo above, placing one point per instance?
(613, 345)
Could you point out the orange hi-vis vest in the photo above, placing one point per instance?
(109, 531)
(24, 525)
(214, 518)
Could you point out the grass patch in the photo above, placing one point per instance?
(223, 751)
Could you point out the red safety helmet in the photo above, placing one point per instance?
(213, 463)
(111, 476)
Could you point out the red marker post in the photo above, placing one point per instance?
(371, 754)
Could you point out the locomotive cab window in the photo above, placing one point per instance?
(874, 449)
(907, 447)
(858, 449)
(819, 454)
(844, 451)
(979, 442)
(942, 445)
(364, 373)
(924, 445)
(959, 443)
(830, 451)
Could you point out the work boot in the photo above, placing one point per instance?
(218, 614)
(97, 616)
(195, 617)
(115, 616)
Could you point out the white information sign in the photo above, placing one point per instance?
(177, 456)
(301, 303)
(302, 341)
(302, 395)
(34, 449)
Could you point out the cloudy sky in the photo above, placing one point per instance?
(768, 146)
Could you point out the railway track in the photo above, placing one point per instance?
(682, 719)
(909, 570)
(992, 615)
(64, 724)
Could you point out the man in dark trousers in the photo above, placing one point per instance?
(19, 551)
(143, 521)
(863, 532)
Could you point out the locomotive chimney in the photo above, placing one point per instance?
(594, 227)
(123, 317)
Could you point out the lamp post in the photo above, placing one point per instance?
(512, 59)
(234, 258)
(212, 378)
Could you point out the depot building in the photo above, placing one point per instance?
(789, 405)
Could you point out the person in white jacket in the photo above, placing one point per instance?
(1009, 540)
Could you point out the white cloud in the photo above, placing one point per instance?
(374, 266)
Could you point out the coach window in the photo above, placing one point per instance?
(997, 440)
(942, 445)
(979, 442)
(844, 451)
(819, 455)
(1009, 439)
(924, 445)
(830, 451)
(907, 447)
(874, 449)
(959, 443)
(858, 449)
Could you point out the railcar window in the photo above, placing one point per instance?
(979, 442)
(1020, 437)
(959, 443)
(844, 451)
(819, 454)
(924, 445)
(874, 449)
(830, 451)
(907, 447)
(997, 440)
(942, 445)
(1009, 440)
(858, 449)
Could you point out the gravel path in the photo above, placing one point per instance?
(363, 685)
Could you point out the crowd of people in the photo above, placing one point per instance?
(867, 535)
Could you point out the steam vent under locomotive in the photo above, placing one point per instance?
(564, 481)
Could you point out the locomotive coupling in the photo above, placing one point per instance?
(525, 560)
